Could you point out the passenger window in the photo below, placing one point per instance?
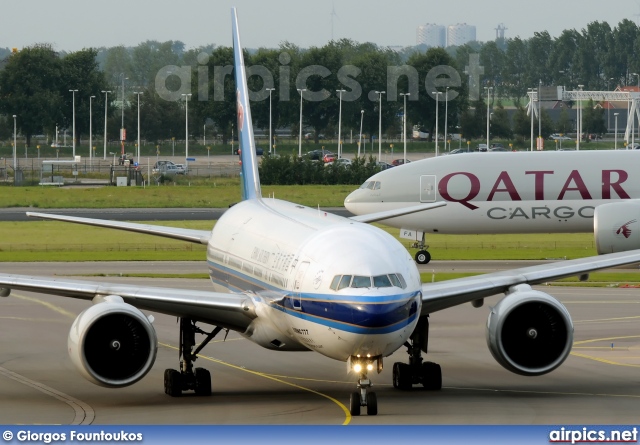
(334, 282)
(376, 185)
(344, 282)
(394, 280)
(361, 281)
(381, 281)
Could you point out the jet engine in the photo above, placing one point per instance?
(112, 343)
(616, 227)
(529, 332)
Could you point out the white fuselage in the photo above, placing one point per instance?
(289, 255)
(524, 192)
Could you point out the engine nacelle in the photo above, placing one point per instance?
(529, 332)
(112, 343)
(616, 227)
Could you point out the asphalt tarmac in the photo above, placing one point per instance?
(598, 384)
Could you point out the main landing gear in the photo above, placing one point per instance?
(422, 256)
(187, 378)
(429, 374)
(363, 397)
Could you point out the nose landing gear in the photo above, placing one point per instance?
(364, 397)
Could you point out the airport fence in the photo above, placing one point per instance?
(87, 247)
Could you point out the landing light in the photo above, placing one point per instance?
(357, 367)
(369, 367)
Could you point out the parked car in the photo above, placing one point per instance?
(181, 169)
(383, 165)
(161, 166)
(397, 162)
(339, 162)
(316, 155)
(173, 170)
(496, 149)
(558, 137)
(481, 147)
(328, 157)
(259, 151)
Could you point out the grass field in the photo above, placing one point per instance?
(218, 192)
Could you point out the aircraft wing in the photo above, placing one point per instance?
(387, 214)
(191, 235)
(233, 311)
(446, 294)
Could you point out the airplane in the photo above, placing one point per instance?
(593, 191)
(293, 278)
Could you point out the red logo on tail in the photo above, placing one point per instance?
(624, 229)
(240, 112)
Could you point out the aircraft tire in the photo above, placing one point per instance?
(354, 404)
(402, 378)
(423, 257)
(372, 404)
(431, 376)
(203, 382)
(172, 383)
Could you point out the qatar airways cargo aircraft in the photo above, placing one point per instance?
(291, 278)
(524, 192)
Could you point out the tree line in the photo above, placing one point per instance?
(35, 84)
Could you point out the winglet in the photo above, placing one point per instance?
(249, 177)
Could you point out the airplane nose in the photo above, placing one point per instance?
(350, 203)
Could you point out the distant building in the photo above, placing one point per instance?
(460, 34)
(431, 35)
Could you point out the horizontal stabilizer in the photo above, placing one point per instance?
(193, 236)
(388, 214)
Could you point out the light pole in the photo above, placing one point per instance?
(437, 93)
(446, 115)
(270, 137)
(301, 90)
(15, 133)
(340, 122)
(90, 126)
(531, 90)
(539, 115)
(609, 107)
(138, 93)
(73, 92)
(360, 140)
(186, 131)
(579, 118)
(615, 117)
(106, 94)
(488, 89)
(122, 131)
(379, 93)
(404, 124)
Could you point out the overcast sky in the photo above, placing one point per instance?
(75, 24)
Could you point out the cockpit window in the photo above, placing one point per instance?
(381, 281)
(344, 282)
(340, 282)
(361, 281)
(394, 280)
(376, 185)
(365, 185)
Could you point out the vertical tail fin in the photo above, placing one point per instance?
(249, 177)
